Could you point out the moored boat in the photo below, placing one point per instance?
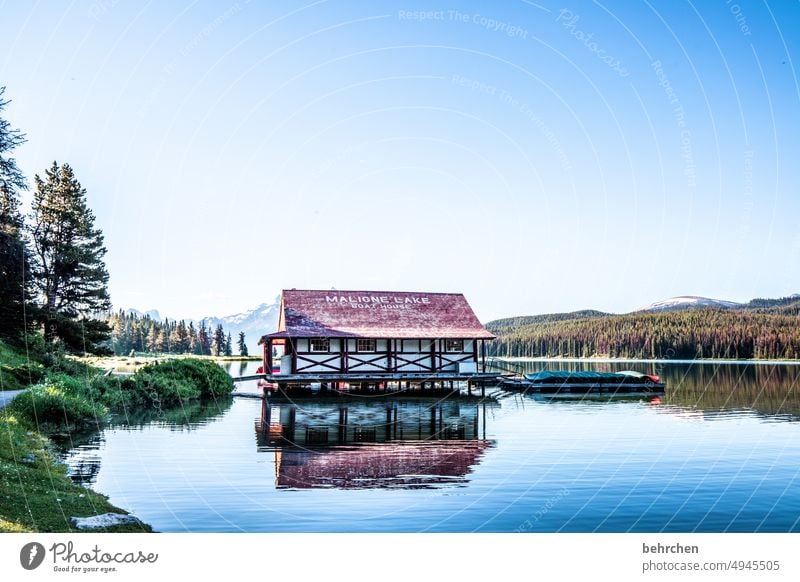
(563, 382)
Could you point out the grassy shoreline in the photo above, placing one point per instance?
(134, 363)
(68, 394)
(36, 495)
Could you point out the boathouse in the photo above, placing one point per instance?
(362, 336)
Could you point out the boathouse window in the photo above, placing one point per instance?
(452, 346)
(319, 345)
(410, 346)
(366, 345)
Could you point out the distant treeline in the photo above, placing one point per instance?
(133, 333)
(763, 329)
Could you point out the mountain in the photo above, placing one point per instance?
(499, 326)
(684, 327)
(780, 304)
(254, 323)
(690, 302)
(152, 313)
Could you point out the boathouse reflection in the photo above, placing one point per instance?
(364, 445)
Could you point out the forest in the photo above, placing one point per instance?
(760, 329)
(131, 332)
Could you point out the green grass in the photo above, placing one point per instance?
(68, 395)
(55, 404)
(17, 369)
(36, 494)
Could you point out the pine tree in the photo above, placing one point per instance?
(218, 343)
(14, 254)
(242, 345)
(69, 270)
(180, 341)
(203, 340)
(152, 340)
(192, 333)
(162, 341)
(228, 347)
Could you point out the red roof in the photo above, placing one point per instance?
(377, 314)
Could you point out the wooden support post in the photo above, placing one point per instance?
(342, 424)
(288, 430)
(265, 415)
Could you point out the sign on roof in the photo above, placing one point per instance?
(377, 314)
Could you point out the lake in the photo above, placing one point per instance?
(720, 452)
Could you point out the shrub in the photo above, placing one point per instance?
(189, 377)
(51, 403)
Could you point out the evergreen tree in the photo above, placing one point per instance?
(14, 254)
(241, 345)
(180, 341)
(69, 270)
(152, 339)
(162, 341)
(218, 343)
(228, 347)
(203, 340)
(192, 333)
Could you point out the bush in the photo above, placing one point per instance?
(51, 403)
(188, 378)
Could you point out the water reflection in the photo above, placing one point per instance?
(82, 451)
(771, 391)
(365, 445)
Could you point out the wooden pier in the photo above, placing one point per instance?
(393, 384)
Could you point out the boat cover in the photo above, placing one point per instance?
(561, 376)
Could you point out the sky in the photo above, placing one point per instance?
(536, 156)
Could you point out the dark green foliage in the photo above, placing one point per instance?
(769, 304)
(207, 378)
(499, 326)
(683, 334)
(218, 343)
(11, 178)
(240, 343)
(56, 403)
(68, 267)
(18, 369)
(131, 332)
(15, 275)
(156, 386)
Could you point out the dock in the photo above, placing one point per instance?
(390, 384)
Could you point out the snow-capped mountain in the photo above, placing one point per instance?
(152, 313)
(254, 323)
(689, 302)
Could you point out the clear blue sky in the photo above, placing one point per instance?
(538, 157)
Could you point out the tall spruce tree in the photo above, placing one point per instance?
(203, 340)
(242, 345)
(69, 271)
(14, 253)
(228, 347)
(180, 341)
(218, 343)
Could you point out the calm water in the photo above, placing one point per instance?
(720, 452)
